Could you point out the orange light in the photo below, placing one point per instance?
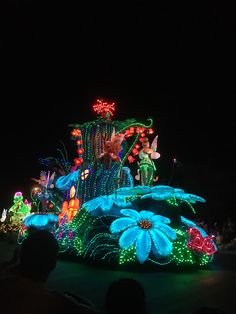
(80, 151)
(77, 161)
(79, 142)
(76, 132)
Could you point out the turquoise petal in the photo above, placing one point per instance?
(161, 244)
(162, 189)
(40, 221)
(187, 222)
(131, 213)
(191, 198)
(121, 224)
(180, 191)
(138, 189)
(202, 231)
(143, 246)
(120, 200)
(160, 218)
(168, 231)
(145, 214)
(106, 204)
(94, 203)
(160, 196)
(129, 236)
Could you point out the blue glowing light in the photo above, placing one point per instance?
(147, 231)
(40, 221)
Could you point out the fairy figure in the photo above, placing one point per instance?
(147, 167)
(112, 150)
(43, 191)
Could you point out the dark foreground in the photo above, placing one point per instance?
(168, 292)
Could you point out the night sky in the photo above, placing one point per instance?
(171, 62)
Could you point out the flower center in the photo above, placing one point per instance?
(145, 224)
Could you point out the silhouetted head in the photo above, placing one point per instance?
(38, 255)
(126, 296)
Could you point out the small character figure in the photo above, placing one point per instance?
(43, 191)
(112, 149)
(19, 209)
(146, 167)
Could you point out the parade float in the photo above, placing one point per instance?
(101, 211)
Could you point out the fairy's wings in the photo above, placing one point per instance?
(154, 144)
(154, 154)
(50, 179)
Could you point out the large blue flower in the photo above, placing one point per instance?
(40, 221)
(146, 231)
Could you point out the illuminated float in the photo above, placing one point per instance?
(107, 214)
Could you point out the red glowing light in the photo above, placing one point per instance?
(79, 142)
(78, 161)
(131, 159)
(199, 243)
(76, 132)
(80, 151)
(135, 151)
(104, 108)
(150, 131)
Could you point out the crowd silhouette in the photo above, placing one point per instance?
(224, 232)
(23, 285)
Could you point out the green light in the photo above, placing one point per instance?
(128, 255)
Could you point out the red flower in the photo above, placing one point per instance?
(199, 243)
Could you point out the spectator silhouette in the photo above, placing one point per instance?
(126, 296)
(25, 291)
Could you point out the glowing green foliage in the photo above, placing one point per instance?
(128, 255)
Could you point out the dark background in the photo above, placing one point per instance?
(171, 62)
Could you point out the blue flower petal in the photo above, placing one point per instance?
(160, 218)
(121, 224)
(120, 200)
(162, 189)
(202, 231)
(40, 221)
(131, 213)
(161, 244)
(187, 222)
(191, 198)
(145, 214)
(94, 203)
(138, 189)
(160, 196)
(180, 191)
(106, 204)
(129, 236)
(168, 231)
(63, 183)
(143, 246)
